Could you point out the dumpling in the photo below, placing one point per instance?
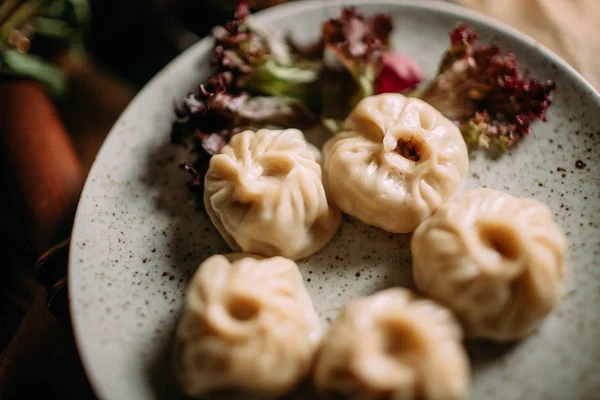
(264, 193)
(496, 260)
(248, 329)
(393, 345)
(395, 162)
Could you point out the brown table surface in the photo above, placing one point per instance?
(41, 361)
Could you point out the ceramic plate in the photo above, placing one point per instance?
(137, 237)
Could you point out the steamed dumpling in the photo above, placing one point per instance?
(496, 260)
(395, 162)
(248, 328)
(393, 345)
(264, 193)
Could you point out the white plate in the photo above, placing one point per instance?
(137, 238)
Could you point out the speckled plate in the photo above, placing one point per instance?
(137, 238)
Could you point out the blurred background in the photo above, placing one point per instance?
(57, 107)
(128, 42)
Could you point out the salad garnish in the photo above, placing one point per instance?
(260, 80)
(482, 90)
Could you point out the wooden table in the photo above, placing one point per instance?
(43, 169)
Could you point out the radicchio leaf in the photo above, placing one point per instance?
(358, 41)
(238, 49)
(399, 74)
(355, 43)
(483, 91)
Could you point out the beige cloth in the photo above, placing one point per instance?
(570, 28)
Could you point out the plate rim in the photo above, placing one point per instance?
(274, 13)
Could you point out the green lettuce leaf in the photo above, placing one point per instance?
(27, 65)
(293, 81)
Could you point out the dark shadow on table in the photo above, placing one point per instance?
(160, 370)
(483, 352)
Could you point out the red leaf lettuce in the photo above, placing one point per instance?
(483, 91)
